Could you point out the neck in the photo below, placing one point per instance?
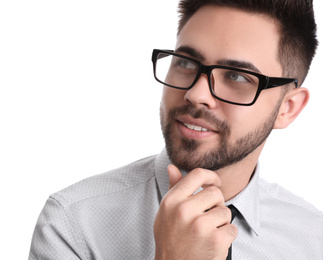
(236, 177)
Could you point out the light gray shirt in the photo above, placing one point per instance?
(111, 216)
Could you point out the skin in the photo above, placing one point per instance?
(183, 230)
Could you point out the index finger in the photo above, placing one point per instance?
(193, 181)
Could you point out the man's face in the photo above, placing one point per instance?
(201, 131)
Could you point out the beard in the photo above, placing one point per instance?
(184, 152)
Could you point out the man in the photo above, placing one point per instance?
(217, 110)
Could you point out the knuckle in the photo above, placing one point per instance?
(213, 189)
(208, 194)
(225, 235)
(232, 230)
(199, 226)
(166, 203)
(216, 192)
(198, 171)
(182, 213)
(224, 212)
(217, 238)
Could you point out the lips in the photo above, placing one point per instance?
(199, 125)
(196, 124)
(196, 127)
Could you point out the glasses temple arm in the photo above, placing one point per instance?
(277, 82)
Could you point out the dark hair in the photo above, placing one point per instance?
(298, 41)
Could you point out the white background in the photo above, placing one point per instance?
(77, 98)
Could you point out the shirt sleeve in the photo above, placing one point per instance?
(54, 237)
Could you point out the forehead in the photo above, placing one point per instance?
(225, 33)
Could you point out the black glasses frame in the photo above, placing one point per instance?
(265, 82)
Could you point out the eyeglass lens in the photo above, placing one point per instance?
(227, 84)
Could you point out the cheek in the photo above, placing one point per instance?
(244, 119)
(171, 98)
(241, 120)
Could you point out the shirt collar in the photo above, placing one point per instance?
(247, 201)
(161, 163)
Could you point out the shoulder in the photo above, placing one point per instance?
(287, 217)
(285, 201)
(113, 181)
(91, 216)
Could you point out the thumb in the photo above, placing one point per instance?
(174, 174)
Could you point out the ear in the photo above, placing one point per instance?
(293, 103)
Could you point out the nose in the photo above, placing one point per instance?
(200, 94)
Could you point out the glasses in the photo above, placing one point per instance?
(228, 84)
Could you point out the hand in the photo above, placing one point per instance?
(191, 226)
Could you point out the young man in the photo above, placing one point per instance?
(235, 74)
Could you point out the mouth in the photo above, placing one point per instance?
(196, 128)
(199, 125)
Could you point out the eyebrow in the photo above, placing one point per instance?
(224, 62)
(192, 52)
(239, 64)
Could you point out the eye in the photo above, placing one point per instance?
(186, 64)
(236, 76)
